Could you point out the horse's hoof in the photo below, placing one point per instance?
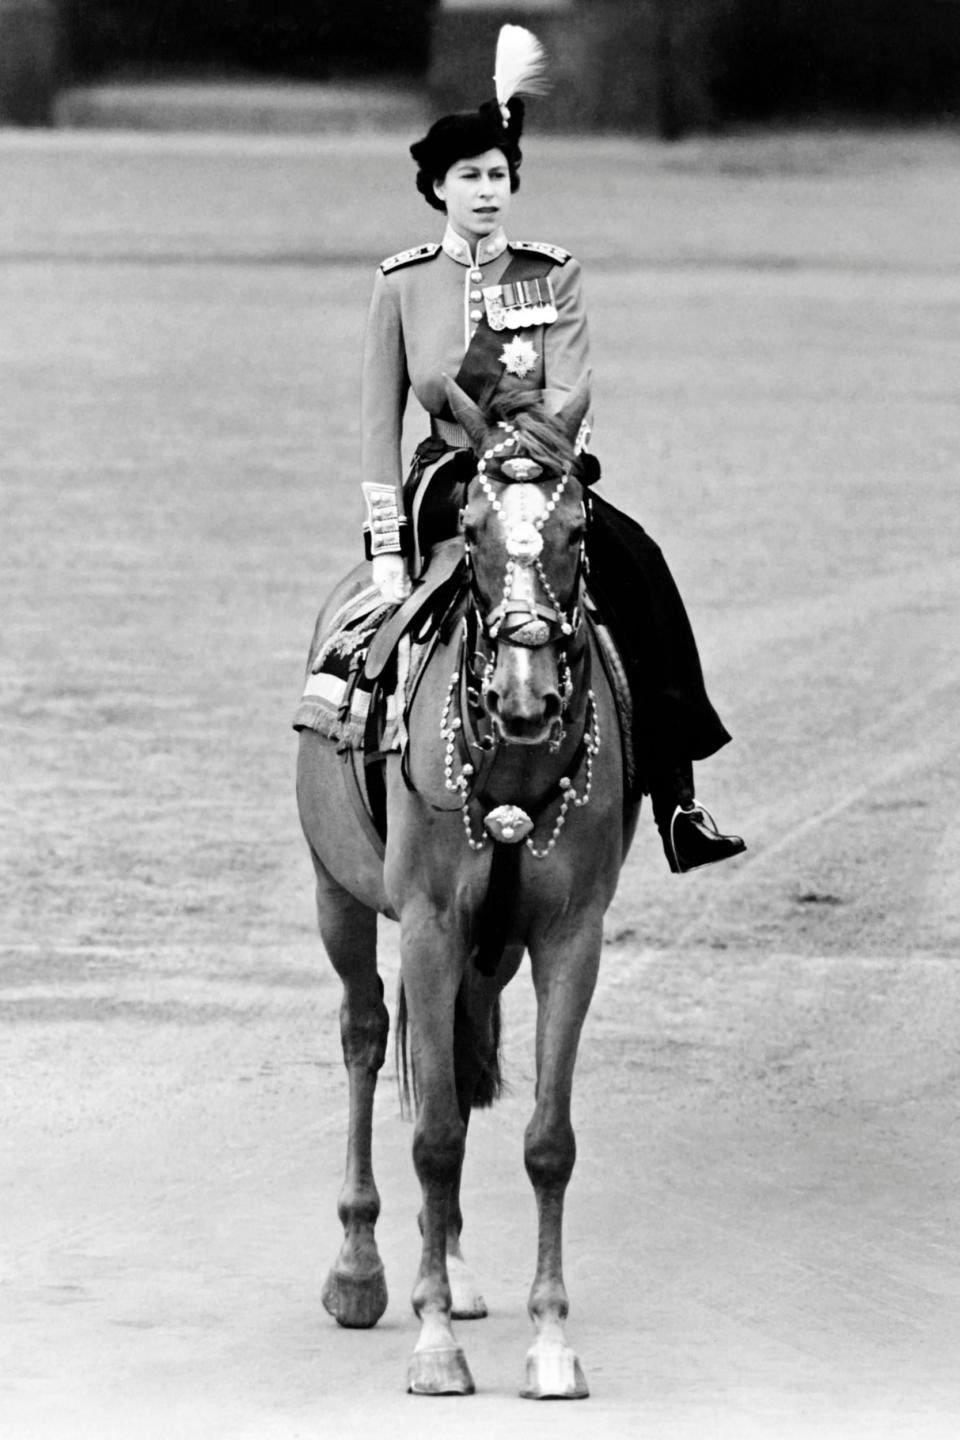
(468, 1303)
(553, 1373)
(355, 1301)
(439, 1372)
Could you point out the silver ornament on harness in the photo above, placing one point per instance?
(508, 824)
(521, 468)
(524, 542)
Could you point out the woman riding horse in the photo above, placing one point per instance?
(501, 315)
(507, 827)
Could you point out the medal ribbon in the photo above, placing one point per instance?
(481, 372)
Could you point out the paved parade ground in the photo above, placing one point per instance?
(762, 1239)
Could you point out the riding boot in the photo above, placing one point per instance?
(689, 832)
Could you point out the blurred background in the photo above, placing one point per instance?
(664, 67)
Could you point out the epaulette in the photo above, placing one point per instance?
(538, 247)
(409, 257)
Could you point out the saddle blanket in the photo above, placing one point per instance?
(336, 697)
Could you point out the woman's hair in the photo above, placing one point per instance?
(463, 135)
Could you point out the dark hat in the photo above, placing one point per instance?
(468, 132)
(497, 125)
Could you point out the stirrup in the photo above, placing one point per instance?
(673, 859)
(733, 844)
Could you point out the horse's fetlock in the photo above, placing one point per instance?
(432, 1296)
(358, 1207)
(549, 1302)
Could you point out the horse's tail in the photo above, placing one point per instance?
(476, 1048)
(406, 1074)
(479, 1049)
(496, 911)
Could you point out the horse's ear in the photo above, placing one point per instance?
(571, 413)
(466, 412)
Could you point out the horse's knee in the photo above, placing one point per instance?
(438, 1150)
(364, 1030)
(549, 1153)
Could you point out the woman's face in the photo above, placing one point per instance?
(476, 192)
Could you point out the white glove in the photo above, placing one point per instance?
(391, 578)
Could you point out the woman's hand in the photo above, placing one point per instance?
(390, 575)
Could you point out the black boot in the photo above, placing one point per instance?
(689, 832)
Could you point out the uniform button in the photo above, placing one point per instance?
(476, 294)
(476, 275)
(476, 314)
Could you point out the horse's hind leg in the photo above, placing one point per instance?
(355, 1292)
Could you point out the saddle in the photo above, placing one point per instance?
(363, 671)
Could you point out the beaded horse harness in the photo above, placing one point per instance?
(521, 619)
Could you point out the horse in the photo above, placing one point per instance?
(508, 820)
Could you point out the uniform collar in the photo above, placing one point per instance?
(488, 248)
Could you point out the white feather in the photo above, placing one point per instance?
(520, 64)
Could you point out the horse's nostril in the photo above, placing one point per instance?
(551, 706)
(492, 701)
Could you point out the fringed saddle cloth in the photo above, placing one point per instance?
(365, 662)
(337, 696)
(363, 670)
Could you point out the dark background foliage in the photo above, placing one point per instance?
(800, 57)
(749, 60)
(311, 39)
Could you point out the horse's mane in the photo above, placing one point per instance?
(542, 438)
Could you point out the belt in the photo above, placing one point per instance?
(454, 435)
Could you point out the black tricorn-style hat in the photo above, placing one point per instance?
(496, 125)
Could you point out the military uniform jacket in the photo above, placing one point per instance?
(426, 304)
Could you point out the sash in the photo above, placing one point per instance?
(481, 371)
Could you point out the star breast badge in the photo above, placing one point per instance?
(518, 357)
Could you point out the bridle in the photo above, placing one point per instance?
(520, 618)
(525, 619)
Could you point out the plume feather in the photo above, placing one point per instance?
(520, 65)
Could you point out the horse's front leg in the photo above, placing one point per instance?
(564, 974)
(433, 956)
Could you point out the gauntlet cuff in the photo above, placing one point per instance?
(385, 528)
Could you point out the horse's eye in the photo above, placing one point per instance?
(576, 535)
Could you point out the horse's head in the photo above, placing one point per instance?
(523, 524)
